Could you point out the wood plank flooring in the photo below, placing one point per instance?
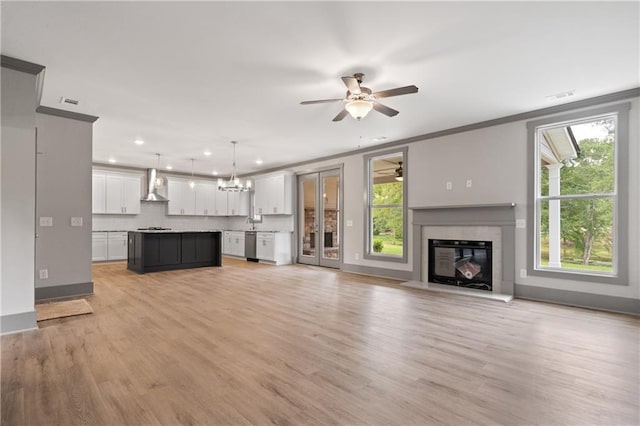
(297, 345)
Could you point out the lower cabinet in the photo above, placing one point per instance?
(274, 247)
(108, 246)
(117, 246)
(99, 246)
(233, 243)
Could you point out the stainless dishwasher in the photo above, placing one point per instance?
(250, 246)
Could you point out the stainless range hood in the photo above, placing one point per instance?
(152, 191)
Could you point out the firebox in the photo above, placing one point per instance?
(460, 263)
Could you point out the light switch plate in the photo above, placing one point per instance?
(449, 185)
(46, 221)
(76, 221)
(469, 183)
(521, 223)
(44, 274)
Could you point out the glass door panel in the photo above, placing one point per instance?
(330, 219)
(308, 223)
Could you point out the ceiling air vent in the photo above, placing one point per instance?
(70, 101)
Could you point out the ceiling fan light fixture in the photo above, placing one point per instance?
(234, 184)
(399, 172)
(359, 108)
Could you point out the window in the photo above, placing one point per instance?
(386, 222)
(579, 195)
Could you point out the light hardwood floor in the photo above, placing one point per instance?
(257, 344)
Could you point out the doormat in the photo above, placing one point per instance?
(66, 308)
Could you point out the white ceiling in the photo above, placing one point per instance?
(187, 77)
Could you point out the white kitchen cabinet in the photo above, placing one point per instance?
(99, 246)
(98, 193)
(182, 198)
(274, 247)
(205, 198)
(273, 194)
(117, 246)
(233, 243)
(108, 246)
(115, 193)
(238, 203)
(221, 202)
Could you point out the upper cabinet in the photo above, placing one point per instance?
(204, 199)
(182, 198)
(273, 194)
(115, 193)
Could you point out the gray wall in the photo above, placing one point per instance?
(63, 191)
(17, 212)
(495, 159)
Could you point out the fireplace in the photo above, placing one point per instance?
(476, 228)
(460, 263)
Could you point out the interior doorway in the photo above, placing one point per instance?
(320, 219)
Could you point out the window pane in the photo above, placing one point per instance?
(387, 179)
(387, 193)
(577, 159)
(387, 238)
(577, 234)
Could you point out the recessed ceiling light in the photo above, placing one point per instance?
(561, 95)
(214, 173)
(112, 160)
(139, 142)
(258, 161)
(169, 167)
(207, 153)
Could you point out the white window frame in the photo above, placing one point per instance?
(619, 196)
(368, 219)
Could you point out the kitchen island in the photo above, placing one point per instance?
(164, 250)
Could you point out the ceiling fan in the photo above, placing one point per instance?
(359, 100)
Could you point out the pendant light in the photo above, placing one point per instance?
(233, 184)
(192, 183)
(159, 180)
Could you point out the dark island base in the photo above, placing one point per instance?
(164, 251)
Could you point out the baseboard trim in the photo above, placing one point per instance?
(64, 291)
(17, 323)
(575, 298)
(377, 272)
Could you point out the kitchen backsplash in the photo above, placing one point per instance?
(155, 214)
(279, 223)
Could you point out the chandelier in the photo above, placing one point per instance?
(233, 184)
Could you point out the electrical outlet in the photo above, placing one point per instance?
(46, 221)
(357, 256)
(76, 221)
(449, 185)
(44, 274)
(469, 183)
(523, 273)
(521, 223)
(349, 223)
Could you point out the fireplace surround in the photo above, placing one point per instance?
(494, 223)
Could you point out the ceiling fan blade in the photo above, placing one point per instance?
(342, 114)
(390, 112)
(323, 101)
(352, 84)
(396, 92)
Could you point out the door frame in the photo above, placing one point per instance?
(298, 231)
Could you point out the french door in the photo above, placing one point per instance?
(319, 219)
